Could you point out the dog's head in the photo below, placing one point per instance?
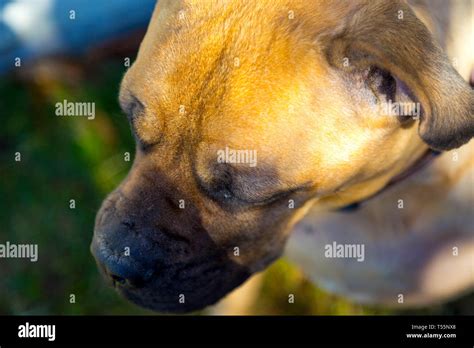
(245, 115)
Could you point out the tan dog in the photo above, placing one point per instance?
(249, 115)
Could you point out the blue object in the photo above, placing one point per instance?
(33, 28)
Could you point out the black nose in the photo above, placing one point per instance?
(121, 269)
(122, 256)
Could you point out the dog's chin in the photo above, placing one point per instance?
(165, 295)
(149, 299)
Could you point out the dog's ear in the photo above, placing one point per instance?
(388, 35)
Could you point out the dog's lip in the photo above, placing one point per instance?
(101, 253)
(207, 295)
(165, 306)
(160, 286)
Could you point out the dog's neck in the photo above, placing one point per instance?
(418, 165)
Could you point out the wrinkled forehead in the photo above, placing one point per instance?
(237, 65)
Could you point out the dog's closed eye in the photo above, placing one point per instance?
(145, 128)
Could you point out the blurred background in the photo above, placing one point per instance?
(62, 158)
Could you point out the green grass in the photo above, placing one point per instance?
(61, 159)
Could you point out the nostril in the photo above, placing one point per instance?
(129, 223)
(125, 276)
(121, 270)
(118, 279)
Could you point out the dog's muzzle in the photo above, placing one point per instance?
(156, 270)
